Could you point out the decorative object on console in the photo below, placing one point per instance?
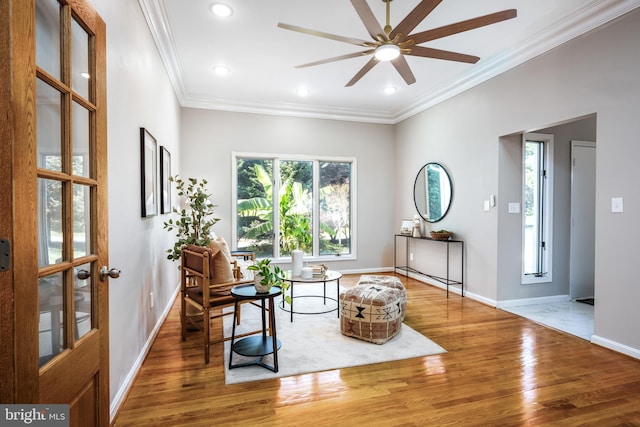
(416, 226)
(193, 225)
(406, 228)
(441, 234)
(432, 192)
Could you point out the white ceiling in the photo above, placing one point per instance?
(261, 56)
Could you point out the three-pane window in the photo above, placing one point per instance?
(293, 202)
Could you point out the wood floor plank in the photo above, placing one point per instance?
(499, 370)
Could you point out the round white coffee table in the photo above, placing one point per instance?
(329, 276)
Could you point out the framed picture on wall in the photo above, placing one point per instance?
(149, 173)
(165, 184)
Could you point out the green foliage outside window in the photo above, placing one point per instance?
(295, 207)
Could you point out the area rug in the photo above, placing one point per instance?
(313, 343)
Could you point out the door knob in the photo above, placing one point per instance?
(105, 272)
(83, 274)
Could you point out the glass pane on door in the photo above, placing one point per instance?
(51, 319)
(48, 126)
(81, 221)
(80, 138)
(82, 298)
(50, 231)
(48, 36)
(80, 60)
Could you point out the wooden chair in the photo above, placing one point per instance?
(200, 289)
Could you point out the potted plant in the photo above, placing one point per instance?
(266, 275)
(193, 225)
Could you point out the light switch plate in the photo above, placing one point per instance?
(617, 205)
(514, 208)
(486, 206)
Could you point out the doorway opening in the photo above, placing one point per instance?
(566, 265)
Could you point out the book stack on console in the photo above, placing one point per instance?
(319, 270)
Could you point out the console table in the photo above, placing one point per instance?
(447, 243)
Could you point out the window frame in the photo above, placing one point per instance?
(315, 210)
(546, 188)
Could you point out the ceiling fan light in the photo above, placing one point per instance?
(390, 89)
(387, 52)
(221, 70)
(220, 9)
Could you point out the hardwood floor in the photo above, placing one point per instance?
(499, 370)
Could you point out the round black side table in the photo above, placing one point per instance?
(261, 344)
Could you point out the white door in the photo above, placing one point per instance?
(583, 189)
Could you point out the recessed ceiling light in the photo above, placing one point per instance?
(221, 9)
(390, 89)
(221, 70)
(303, 91)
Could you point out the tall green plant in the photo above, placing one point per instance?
(193, 225)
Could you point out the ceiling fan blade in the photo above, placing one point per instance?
(402, 66)
(416, 16)
(427, 52)
(364, 70)
(349, 40)
(336, 58)
(368, 18)
(462, 26)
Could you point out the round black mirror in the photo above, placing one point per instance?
(432, 192)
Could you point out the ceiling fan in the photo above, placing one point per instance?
(391, 44)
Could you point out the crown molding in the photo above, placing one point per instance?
(591, 16)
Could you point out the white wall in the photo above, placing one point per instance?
(209, 137)
(595, 74)
(139, 95)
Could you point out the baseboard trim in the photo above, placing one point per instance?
(615, 346)
(121, 396)
(368, 270)
(532, 301)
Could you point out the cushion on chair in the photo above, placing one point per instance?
(221, 270)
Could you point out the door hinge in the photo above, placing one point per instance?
(5, 255)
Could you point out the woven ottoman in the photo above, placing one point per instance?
(374, 309)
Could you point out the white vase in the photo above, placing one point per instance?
(296, 262)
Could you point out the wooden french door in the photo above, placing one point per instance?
(54, 332)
